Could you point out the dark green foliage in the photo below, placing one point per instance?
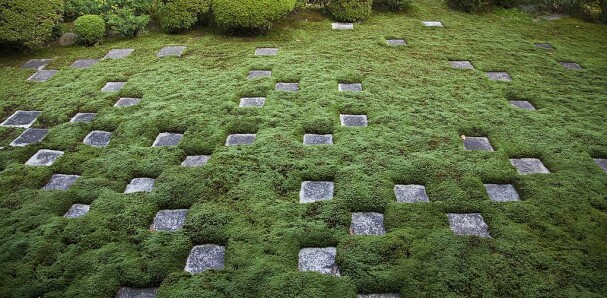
(126, 22)
(468, 5)
(28, 22)
(350, 10)
(76, 8)
(393, 5)
(250, 15)
(181, 15)
(508, 3)
(90, 29)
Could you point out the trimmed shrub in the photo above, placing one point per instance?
(350, 10)
(250, 15)
(468, 5)
(28, 22)
(90, 29)
(126, 22)
(393, 5)
(181, 15)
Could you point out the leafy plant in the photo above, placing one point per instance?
(28, 22)
(393, 5)
(250, 15)
(350, 10)
(90, 29)
(180, 15)
(125, 22)
(468, 5)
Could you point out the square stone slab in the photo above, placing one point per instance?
(171, 51)
(526, 166)
(84, 63)
(367, 223)
(602, 163)
(318, 259)
(570, 65)
(287, 87)
(410, 193)
(355, 87)
(252, 102)
(313, 191)
(127, 102)
(195, 161)
(502, 192)
(140, 185)
(98, 138)
(471, 224)
(342, 26)
(113, 86)
(314, 139)
(353, 120)
(396, 42)
(522, 104)
(44, 157)
(22, 119)
(60, 182)
(545, 46)
(432, 23)
(125, 292)
(205, 257)
(240, 139)
(77, 210)
(461, 64)
(167, 139)
(169, 220)
(266, 52)
(259, 74)
(37, 64)
(118, 53)
(477, 143)
(498, 76)
(42, 75)
(30, 136)
(384, 295)
(83, 117)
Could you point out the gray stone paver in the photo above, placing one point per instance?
(499, 76)
(30, 136)
(353, 120)
(253, 74)
(396, 42)
(37, 64)
(383, 295)
(313, 191)
(118, 53)
(113, 86)
(44, 157)
(522, 104)
(463, 64)
(240, 139)
(77, 210)
(83, 117)
(477, 143)
(167, 139)
(526, 166)
(287, 87)
(169, 220)
(432, 24)
(195, 161)
(257, 102)
(471, 224)
(342, 26)
(167, 51)
(315, 139)
(140, 185)
(127, 102)
(545, 46)
(410, 193)
(570, 65)
(318, 259)
(205, 257)
(367, 223)
(126, 292)
(97, 138)
(502, 192)
(42, 75)
(351, 87)
(23, 119)
(601, 162)
(84, 63)
(60, 182)
(266, 51)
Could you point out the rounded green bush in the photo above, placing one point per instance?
(350, 10)
(181, 15)
(90, 29)
(250, 15)
(394, 5)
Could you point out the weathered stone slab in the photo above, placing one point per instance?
(113, 86)
(318, 259)
(169, 220)
(570, 65)
(205, 257)
(98, 138)
(342, 26)
(127, 102)
(383, 295)
(526, 166)
(83, 117)
(167, 139)
(502, 192)
(60, 182)
(545, 46)
(353, 120)
(252, 102)
(410, 193)
(67, 39)
(253, 74)
(471, 224)
(314, 139)
(77, 210)
(498, 76)
(30, 136)
(354, 87)
(240, 139)
(477, 143)
(522, 104)
(396, 42)
(171, 51)
(23, 119)
(44, 157)
(313, 191)
(367, 223)
(602, 163)
(266, 52)
(137, 292)
(140, 185)
(287, 87)
(42, 75)
(118, 53)
(84, 63)
(195, 161)
(461, 64)
(432, 24)
(37, 64)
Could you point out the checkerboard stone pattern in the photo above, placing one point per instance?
(471, 224)
(461, 64)
(353, 87)
(353, 120)
(30, 136)
(205, 257)
(126, 292)
(383, 295)
(169, 220)
(498, 76)
(84, 63)
(522, 104)
(60, 182)
(502, 192)
(602, 163)
(367, 223)
(140, 185)
(113, 86)
(545, 46)
(42, 75)
(256, 102)
(266, 52)
(176, 51)
(318, 259)
(314, 191)
(77, 210)
(23, 119)
(167, 139)
(570, 65)
(526, 166)
(314, 139)
(240, 139)
(83, 117)
(118, 53)
(477, 143)
(432, 24)
(253, 74)
(396, 42)
(287, 87)
(342, 26)
(44, 157)
(98, 138)
(410, 193)
(195, 161)
(127, 102)
(37, 64)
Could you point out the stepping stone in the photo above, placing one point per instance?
(44, 157)
(314, 139)
(252, 102)
(367, 223)
(98, 138)
(77, 210)
(195, 161)
(498, 76)
(171, 51)
(602, 162)
(60, 182)
(84, 63)
(461, 64)
(526, 166)
(30, 136)
(240, 139)
(118, 53)
(287, 87)
(83, 117)
(342, 26)
(570, 65)
(384, 295)
(477, 143)
(545, 46)
(140, 185)
(313, 191)
(22, 119)
(502, 192)
(355, 87)
(205, 257)
(125, 292)
(37, 64)
(42, 75)
(318, 259)
(410, 193)
(396, 42)
(127, 102)
(432, 24)
(169, 220)
(471, 224)
(167, 139)
(259, 74)
(266, 52)
(353, 120)
(113, 86)
(522, 104)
